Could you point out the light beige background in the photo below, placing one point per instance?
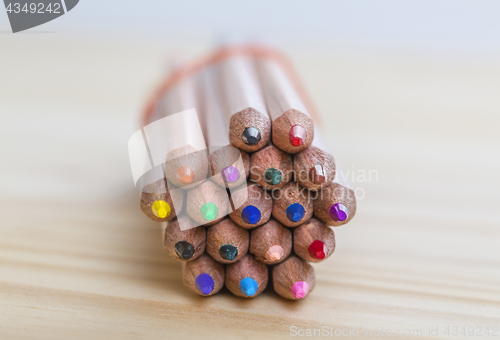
(79, 260)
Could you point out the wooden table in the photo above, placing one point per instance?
(79, 260)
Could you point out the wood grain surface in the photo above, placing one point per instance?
(79, 260)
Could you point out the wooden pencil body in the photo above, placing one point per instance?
(271, 168)
(157, 202)
(293, 278)
(335, 205)
(292, 205)
(252, 206)
(184, 245)
(249, 121)
(227, 242)
(271, 243)
(246, 278)
(292, 126)
(207, 203)
(313, 241)
(203, 276)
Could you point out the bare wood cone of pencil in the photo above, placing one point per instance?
(203, 276)
(335, 205)
(207, 203)
(227, 242)
(254, 206)
(184, 245)
(313, 241)
(271, 168)
(247, 277)
(292, 205)
(271, 243)
(314, 167)
(158, 203)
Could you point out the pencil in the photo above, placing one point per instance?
(313, 241)
(157, 202)
(252, 206)
(292, 126)
(184, 245)
(293, 278)
(227, 165)
(247, 277)
(335, 205)
(186, 167)
(292, 205)
(271, 168)
(233, 175)
(203, 276)
(175, 137)
(314, 167)
(243, 101)
(271, 243)
(207, 203)
(227, 242)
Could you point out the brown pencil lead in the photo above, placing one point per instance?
(317, 174)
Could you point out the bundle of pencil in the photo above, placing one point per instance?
(257, 203)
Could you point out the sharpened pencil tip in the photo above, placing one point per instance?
(339, 212)
(317, 250)
(251, 214)
(228, 252)
(295, 212)
(230, 174)
(318, 174)
(160, 209)
(184, 250)
(251, 136)
(205, 284)
(300, 289)
(209, 211)
(273, 176)
(297, 135)
(275, 253)
(248, 286)
(184, 175)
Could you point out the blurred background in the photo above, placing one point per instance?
(408, 90)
